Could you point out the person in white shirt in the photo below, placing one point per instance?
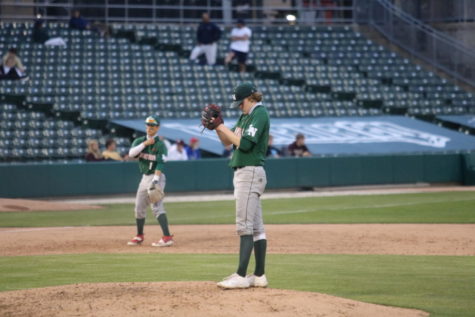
(177, 152)
(240, 45)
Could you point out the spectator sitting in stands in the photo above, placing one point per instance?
(272, 151)
(79, 23)
(11, 67)
(40, 35)
(207, 35)
(110, 153)
(298, 148)
(193, 150)
(93, 153)
(177, 152)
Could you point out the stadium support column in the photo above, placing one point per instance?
(227, 12)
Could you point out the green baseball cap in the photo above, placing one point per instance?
(241, 92)
(152, 120)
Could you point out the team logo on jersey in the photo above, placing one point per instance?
(251, 131)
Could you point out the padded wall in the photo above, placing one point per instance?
(104, 178)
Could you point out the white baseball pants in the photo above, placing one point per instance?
(208, 49)
(249, 184)
(142, 201)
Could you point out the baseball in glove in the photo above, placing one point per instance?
(155, 193)
(211, 116)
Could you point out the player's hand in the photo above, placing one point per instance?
(149, 142)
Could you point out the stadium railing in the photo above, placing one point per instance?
(222, 12)
(419, 39)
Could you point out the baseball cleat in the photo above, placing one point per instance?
(165, 241)
(137, 240)
(257, 281)
(234, 281)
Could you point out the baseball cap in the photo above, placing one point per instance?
(152, 120)
(193, 140)
(180, 142)
(240, 21)
(241, 92)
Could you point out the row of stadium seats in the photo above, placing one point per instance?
(302, 71)
(31, 135)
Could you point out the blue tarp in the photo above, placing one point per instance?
(465, 120)
(330, 136)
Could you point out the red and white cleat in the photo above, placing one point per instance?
(165, 241)
(137, 240)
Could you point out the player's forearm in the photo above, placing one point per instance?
(227, 136)
(134, 151)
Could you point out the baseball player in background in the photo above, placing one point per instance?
(249, 138)
(150, 151)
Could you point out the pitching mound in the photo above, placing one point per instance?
(30, 205)
(183, 299)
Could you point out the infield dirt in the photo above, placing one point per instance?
(172, 299)
(402, 239)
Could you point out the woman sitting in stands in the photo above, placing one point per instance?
(11, 67)
(93, 153)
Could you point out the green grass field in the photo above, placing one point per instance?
(450, 207)
(441, 285)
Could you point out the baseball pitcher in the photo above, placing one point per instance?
(250, 139)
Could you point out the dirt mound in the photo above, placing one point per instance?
(405, 239)
(30, 205)
(198, 299)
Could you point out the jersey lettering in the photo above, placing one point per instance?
(251, 131)
(149, 157)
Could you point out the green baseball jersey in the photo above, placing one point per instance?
(253, 129)
(151, 157)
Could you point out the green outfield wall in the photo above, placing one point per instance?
(104, 178)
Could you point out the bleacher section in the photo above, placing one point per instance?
(32, 136)
(143, 69)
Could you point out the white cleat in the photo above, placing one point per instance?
(234, 281)
(257, 281)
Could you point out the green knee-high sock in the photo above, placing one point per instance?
(140, 225)
(163, 221)
(260, 247)
(245, 251)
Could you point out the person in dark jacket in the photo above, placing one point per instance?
(40, 35)
(78, 22)
(207, 36)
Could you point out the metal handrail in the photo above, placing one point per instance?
(178, 9)
(419, 40)
(427, 28)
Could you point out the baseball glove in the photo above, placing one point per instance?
(155, 193)
(208, 113)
